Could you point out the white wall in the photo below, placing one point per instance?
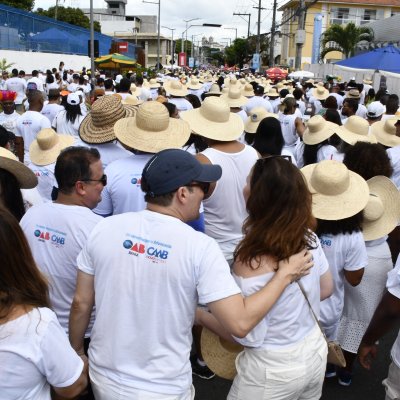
(29, 61)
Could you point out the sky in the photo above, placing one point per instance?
(174, 12)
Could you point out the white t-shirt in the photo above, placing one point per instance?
(288, 126)
(53, 85)
(9, 121)
(123, 192)
(145, 94)
(46, 179)
(17, 85)
(290, 319)
(51, 110)
(148, 282)
(64, 127)
(339, 98)
(56, 234)
(28, 126)
(362, 111)
(38, 82)
(197, 92)
(72, 87)
(181, 103)
(35, 353)
(326, 152)
(256, 102)
(394, 155)
(344, 252)
(393, 287)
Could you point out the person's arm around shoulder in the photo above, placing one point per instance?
(238, 315)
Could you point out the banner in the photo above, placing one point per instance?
(316, 46)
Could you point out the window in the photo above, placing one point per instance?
(340, 15)
(343, 13)
(369, 15)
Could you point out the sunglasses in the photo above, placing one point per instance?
(204, 186)
(103, 180)
(264, 159)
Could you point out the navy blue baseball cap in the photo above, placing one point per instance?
(170, 169)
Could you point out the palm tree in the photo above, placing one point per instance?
(344, 38)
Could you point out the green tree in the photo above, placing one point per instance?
(4, 65)
(26, 5)
(344, 38)
(187, 46)
(74, 16)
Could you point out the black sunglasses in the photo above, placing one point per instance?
(103, 180)
(285, 157)
(204, 186)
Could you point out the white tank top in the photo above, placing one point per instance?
(225, 209)
(288, 128)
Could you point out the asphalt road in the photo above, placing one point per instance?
(366, 385)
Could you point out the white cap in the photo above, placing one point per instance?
(375, 109)
(73, 99)
(118, 78)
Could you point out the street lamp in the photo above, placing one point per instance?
(234, 29)
(187, 21)
(158, 30)
(172, 44)
(192, 47)
(228, 38)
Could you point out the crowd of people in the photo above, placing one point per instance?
(137, 214)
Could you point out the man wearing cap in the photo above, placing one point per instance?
(141, 338)
(53, 106)
(375, 112)
(355, 94)
(17, 85)
(36, 80)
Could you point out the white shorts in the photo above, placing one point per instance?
(392, 383)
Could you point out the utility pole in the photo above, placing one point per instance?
(272, 43)
(248, 24)
(301, 33)
(258, 43)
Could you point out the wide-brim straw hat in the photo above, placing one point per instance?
(152, 130)
(353, 94)
(337, 192)
(318, 130)
(176, 88)
(320, 93)
(385, 132)
(256, 115)
(135, 91)
(234, 98)
(98, 125)
(272, 92)
(232, 82)
(368, 80)
(132, 100)
(355, 129)
(214, 120)
(214, 90)
(382, 212)
(248, 90)
(219, 354)
(45, 149)
(26, 178)
(194, 84)
(153, 84)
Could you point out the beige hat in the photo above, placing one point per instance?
(225, 90)
(153, 84)
(257, 114)
(8, 161)
(367, 80)
(353, 94)
(152, 130)
(219, 354)
(228, 82)
(337, 193)
(136, 91)
(385, 132)
(214, 90)
(382, 212)
(132, 100)
(98, 125)
(272, 92)
(214, 120)
(318, 130)
(355, 129)
(310, 81)
(176, 88)
(234, 98)
(320, 93)
(248, 90)
(45, 149)
(194, 84)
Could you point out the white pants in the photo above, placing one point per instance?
(106, 389)
(292, 373)
(392, 383)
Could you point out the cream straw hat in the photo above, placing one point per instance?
(318, 130)
(272, 92)
(194, 84)
(320, 93)
(152, 130)
(132, 100)
(248, 90)
(382, 212)
(153, 84)
(136, 91)
(45, 149)
(355, 129)
(8, 161)
(214, 120)
(256, 116)
(176, 88)
(385, 132)
(219, 354)
(353, 94)
(337, 193)
(367, 80)
(98, 125)
(234, 98)
(214, 90)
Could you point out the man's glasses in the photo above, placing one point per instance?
(103, 180)
(204, 186)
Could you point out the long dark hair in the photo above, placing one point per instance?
(310, 152)
(280, 220)
(335, 227)
(268, 139)
(21, 282)
(10, 192)
(72, 112)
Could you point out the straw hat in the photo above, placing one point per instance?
(353, 94)
(8, 161)
(234, 97)
(176, 88)
(98, 125)
(214, 120)
(355, 129)
(367, 80)
(337, 193)
(194, 84)
(318, 130)
(45, 149)
(219, 354)
(320, 93)
(385, 132)
(153, 84)
(132, 100)
(272, 92)
(382, 212)
(228, 82)
(152, 130)
(248, 90)
(214, 90)
(136, 91)
(257, 114)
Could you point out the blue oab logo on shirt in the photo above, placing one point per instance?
(45, 234)
(325, 241)
(153, 250)
(136, 180)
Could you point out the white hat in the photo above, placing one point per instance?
(256, 115)
(194, 84)
(385, 132)
(320, 93)
(118, 78)
(73, 99)
(234, 97)
(318, 130)
(355, 129)
(375, 109)
(176, 88)
(248, 90)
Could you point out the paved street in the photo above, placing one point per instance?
(366, 384)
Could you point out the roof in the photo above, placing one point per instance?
(383, 3)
